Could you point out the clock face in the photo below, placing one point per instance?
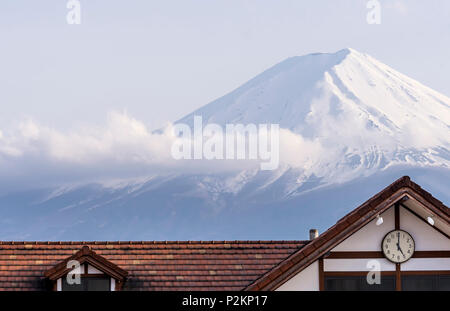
(398, 246)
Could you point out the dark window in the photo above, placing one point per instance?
(358, 283)
(426, 282)
(88, 284)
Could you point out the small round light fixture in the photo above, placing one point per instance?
(430, 220)
(379, 220)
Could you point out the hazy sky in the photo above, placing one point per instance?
(159, 60)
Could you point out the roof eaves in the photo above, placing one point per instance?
(85, 254)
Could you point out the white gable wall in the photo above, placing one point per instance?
(306, 280)
(369, 238)
(426, 237)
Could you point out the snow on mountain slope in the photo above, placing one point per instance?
(361, 114)
(291, 94)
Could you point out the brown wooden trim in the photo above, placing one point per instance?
(398, 277)
(431, 254)
(375, 254)
(94, 275)
(119, 285)
(355, 255)
(418, 216)
(443, 211)
(321, 275)
(397, 216)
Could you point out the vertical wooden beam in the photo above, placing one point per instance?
(119, 285)
(397, 216)
(321, 275)
(398, 274)
(398, 278)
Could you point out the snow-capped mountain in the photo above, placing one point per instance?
(350, 126)
(359, 115)
(300, 91)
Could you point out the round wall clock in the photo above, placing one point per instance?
(398, 246)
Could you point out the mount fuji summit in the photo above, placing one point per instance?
(348, 103)
(350, 125)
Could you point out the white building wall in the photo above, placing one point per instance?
(369, 237)
(426, 264)
(356, 264)
(425, 237)
(306, 280)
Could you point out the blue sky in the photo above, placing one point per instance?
(160, 60)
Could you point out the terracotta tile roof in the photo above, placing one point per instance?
(350, 223)
(225, 265)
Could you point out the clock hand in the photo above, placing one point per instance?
(398, 244)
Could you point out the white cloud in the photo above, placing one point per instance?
(123, 148)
